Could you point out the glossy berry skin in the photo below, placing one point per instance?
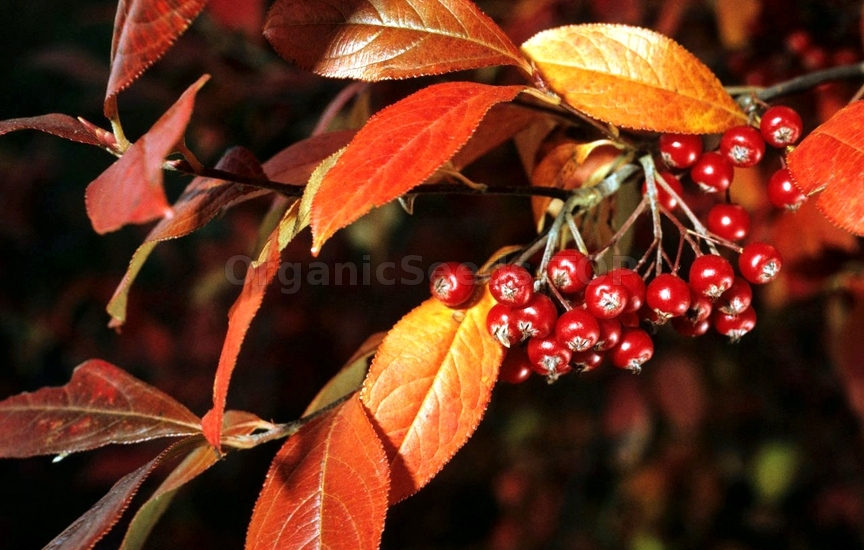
(537, 319)
(734, 326)
(729, 221)
(610, 334)
(759, 263)
(680, 150)
(512, 285)
(700, 308)
(452, 283)
(516, 368)
(587, 361)
(781, 126)
(633, 350)
(664, 199)
(501, 324)
(569, 271)
(634, 284)
(711, 275)
(782, 192)
(690, 329)
(668, 295)
(737, 298)
(577, 329)
(604, 298)
(743, 146)
(713, 173)
(549, 358)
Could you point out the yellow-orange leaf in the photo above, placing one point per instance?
(428, 388)
(633, 78)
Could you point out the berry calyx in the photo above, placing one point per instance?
(686, 327)
(664, 198)
(713, 173)
(633, 350)
(512, 285)
(501, 324)
(604, 298)
(759, 263)
(587, 361)
(577, 329)
(734, 326)
(452, 283)
(737, 297)
(711, 275)
(668, 295)
(537, 319)
(729, 221)
(782, 191)
(680, 150)
(743, 146)
(549, 358)
(781, 126)
(569, 271)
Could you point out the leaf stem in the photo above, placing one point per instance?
(808, 81)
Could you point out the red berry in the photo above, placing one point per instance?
(605, 298)
(516, 368)
(782, 191)
(452, 283)
(665, 200)
(729, 221)
(759, 263)
(610, 334)
(549, 358)
(781, 126)
(668, 295)
(737, 298)
(587, 361)
(501, 324)
(569, 271)
(634, 348)
(577, 329)
(734, 326)
(650, 318)
(700, 307)
(713, 173)
(742, 145)
(680, 150)
(711, 275)
(512, 285)
(691, 329)
(634, 284)
(537, 319)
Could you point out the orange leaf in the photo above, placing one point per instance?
(831, 159)
(634, 78)
(100, 405)
(143, 32)
(382, 40)
(399, 148)
(428, 388)
(130, 190)
(326, 488)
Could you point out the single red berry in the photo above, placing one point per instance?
(549, 358)
(798, 41)
(586, 361)
(512, 285)
(569, 271)
(690, 329)
(630, 318)
(759, 263)
(577, 329)
(734, 326)
(742, 145)
(610, 334)
(680, 150)
(781, 126)
(700, 307)
(605, 298)
(729, 221)
(737, 297)
(501, 324)
(634, 284)
(650, 318)
(633, 350)
(713, 173)
(452, 283)
(668, 295)
(711, 275)
(537, 319)
(664, 198)
(516, 368)
(782, 191)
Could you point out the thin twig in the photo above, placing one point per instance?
(809, 81)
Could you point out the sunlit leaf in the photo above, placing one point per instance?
(326, 488)
(143, 32)
(428, 387)
(633, 78)
(130, 190)
(399, 148)
(100, 405)
(373, 40)
(831, 159)
(63, 126)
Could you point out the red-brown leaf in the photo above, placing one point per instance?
(395, 39)
(130, 191)
(100, 405)
(326, 488)
(428, 388)
(294, 164)
(63, 126)
(398, 149)
(634, 78)
(143, 32)
(831, 158)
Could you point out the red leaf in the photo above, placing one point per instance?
(64, 126)
(428, 388)
(326, 488)
(87, 530)
(382, 40)
(130, 191)
(398, 149)
(295, 164)
(100, 405)
(143, 32)
(246, 16)
(831, 159)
